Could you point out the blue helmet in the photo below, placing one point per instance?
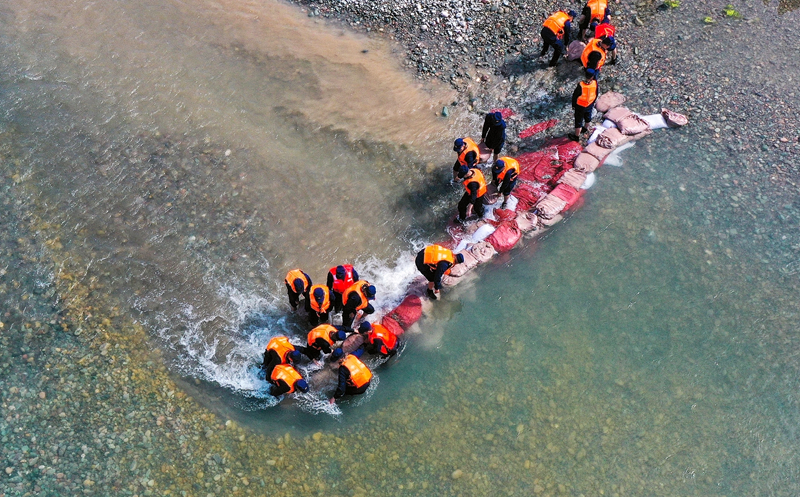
(301, 385)
(370, 292)
(294, 355)
(337, 354)
(365, 327)
(458, 144)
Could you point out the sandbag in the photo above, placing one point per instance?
(392, 325)
(501, 215)
(586, 162)
(573, 178)
(505, 236)
(450, 280)
(550, 206)
(612, 138)
(641, 135)
(596, 151)
(632, 125)
(527, 221)
(462, 268)
(482, 232)
(575, 50)
(485, 153)
(617, 114)
(565, 192)
(483, 251)
(511, 202)
(609, 100)
(674, 119)
(527, 196)
(655, 121)
(568, 151)
(408, 312)
(352, 342)
(596, 133)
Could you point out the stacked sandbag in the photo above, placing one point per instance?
(617, 114)
(674, 119)
(408, 312)
(460, 269)
(609, 100)
(483, 251)
(573, 178)
(505, 236)
(527, 196)
(352, 342)
(550, 206)
(626, 121)
(612, 138)
(575, 50)
(527, 221)
(502, 215)
(586, 162)
(597, 152)
(566, 193)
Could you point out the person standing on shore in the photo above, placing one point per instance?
(594, 55)
(583, 99)
(493, 134)
(468, 154)
(435, 261)
(555, 33)
(593, 11)
(504, 176)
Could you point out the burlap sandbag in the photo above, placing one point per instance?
(644, 133)
(632, 125)
(573, 178)
(609, 100)
(549, 206)
(462, 268)
(575, 50)
(483, 251)
(674, 119)
(527, 221)
(596, 151)
(617, 114)
(586, 162)
(612, 138)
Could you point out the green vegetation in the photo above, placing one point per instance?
(731, 12)
(672, 4)
(708, 20)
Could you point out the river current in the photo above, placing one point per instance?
(188, 153)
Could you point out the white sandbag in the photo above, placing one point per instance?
(482, 233)
(483, 251)
(575, 50)
(590, 179)
(607, 123)
(656, 121)
(511, 203)
(462, 245)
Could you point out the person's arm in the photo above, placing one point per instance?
(576, 94)
(344, 375)
(276, 390)
(486, 127)
(369, 309)
(355, 275)
(330, 281)
(441, 267)
(567, 29)
(323, 345)
(507, 181)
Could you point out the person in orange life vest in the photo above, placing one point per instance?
(356, 302)
(297, 284)
(593, 11)
(318, 304)
(339, 279)
(605, 29)
(594, 55)
(504, 176)
(354, 376)
(285, 379)
(555, 33)
(468, 154)
(378, 340)
(475, 186)
(493, 134)
(279, 351)
(434, 261)
(322, 339)
(583, 99)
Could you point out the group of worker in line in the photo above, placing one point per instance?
(345, 293)
(595, 20)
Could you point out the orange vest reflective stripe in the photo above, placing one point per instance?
(295, 274)
(604, 29)
(556, 23)
(322, 331)
(287, 374)
(339, 286)
(357, 287)
(436, 253)
(598, 8)
(511, 165)
(593, 46)
(282, 346)
(326, 303)
(588, 93)
(477, 176)
(360, 374)
(388, 338)
(471, 147)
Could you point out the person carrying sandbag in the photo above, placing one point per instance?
(583, 99)
(594, 55)
(435, 261)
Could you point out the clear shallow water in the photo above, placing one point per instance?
(624, 353)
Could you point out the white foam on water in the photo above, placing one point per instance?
(614, 158)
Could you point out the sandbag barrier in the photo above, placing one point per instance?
(551, 181)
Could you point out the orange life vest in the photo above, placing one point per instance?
(477, 176)
(282, 346)
(388, 338)
(326, 303)
(360, 374)
(511, 165)
(339, 286)
(357, 287)
(295, 274)
(435, 254)
(556, 23)
(588, 93)
(604, 29)
(598, 8)
(322, 331)
(593, 46)
(471, 147)
(287, 374)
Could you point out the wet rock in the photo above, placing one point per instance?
(457, 474)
